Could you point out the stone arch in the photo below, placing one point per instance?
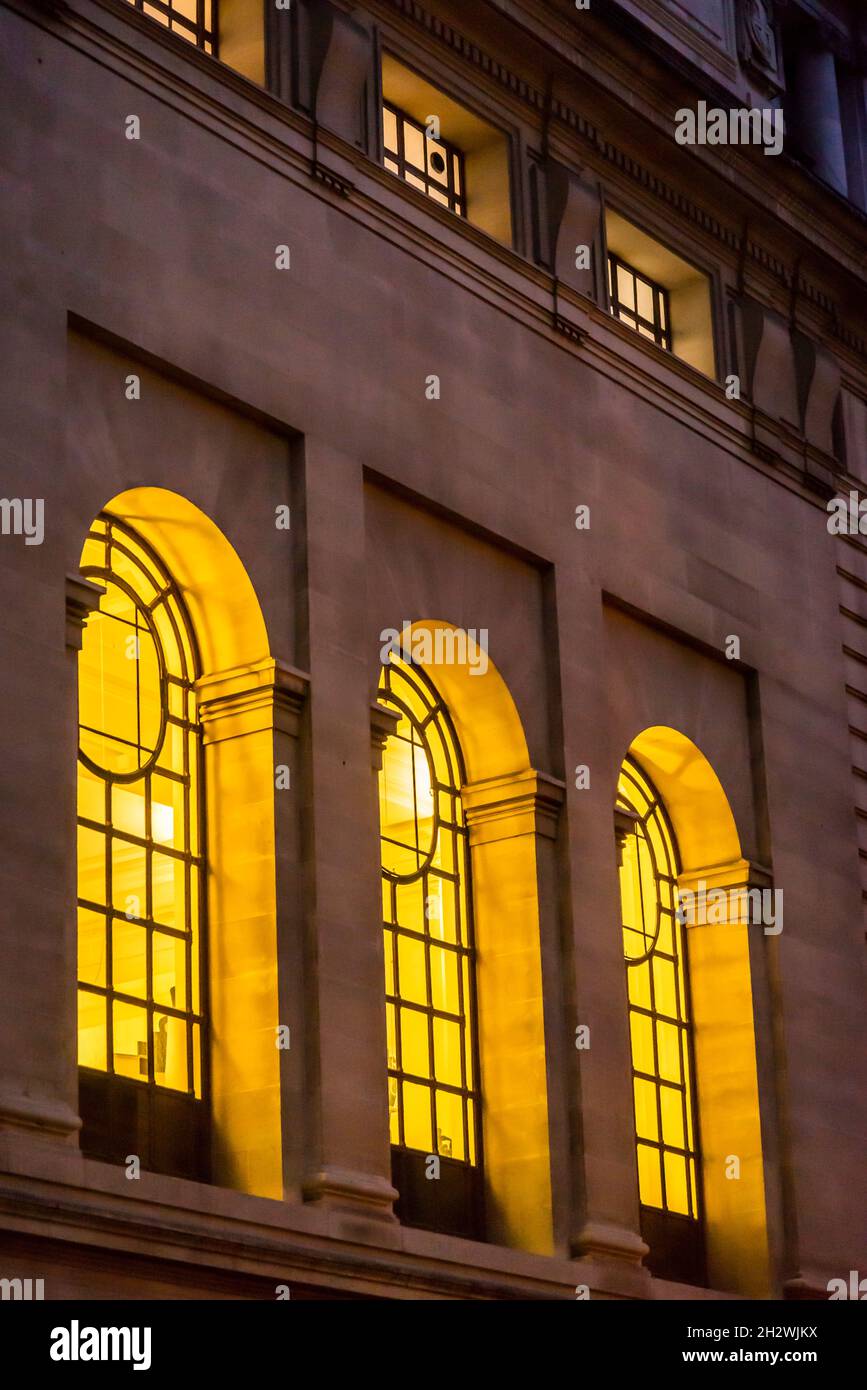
(247, 705)
(510, 808)
(723, 1009)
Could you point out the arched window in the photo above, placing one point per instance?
(433, 1086)
(663, 1068)
(140, 863)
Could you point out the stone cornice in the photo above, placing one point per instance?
(497, 274)
(570, 119)
(200, 1227)
(593, 139)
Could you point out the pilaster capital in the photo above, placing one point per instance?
(82, 597)
(383, 723)
(523, 803)
(266, 695)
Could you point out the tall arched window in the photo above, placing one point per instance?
(140, 863)
(433, 1084)
(663, 1068)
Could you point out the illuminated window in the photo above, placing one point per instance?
(639, 302)
(194, 20)
(429, 959)
(433, 166)
(660, 1030)
(140, 851)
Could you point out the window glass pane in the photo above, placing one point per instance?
(644, 298)
(168, 882)
(94, 552)
(169, 970)
(197, 1060)
(170, 1052)
(675, 1183)
(411, 970)
(447, 1051)
(128, 807)
(668, 1045)
(625, 287)
(389, 130)
(167, 812)
(649, 1180)
(450, 1125)
(129, 958)
(664, 993)
(413, 144)
(414, 1054)
(91, 1030)
(671, 1105)
(664, 939)
(91, 795)
(469, 1060)
(444, 979)
(128, 878)
(91, 947)
(130, 1041)
(642, 1042)
(638, 980)
(411, 905)
(646, 1122)
(91, 865)
(389, 962)
(416, 1116)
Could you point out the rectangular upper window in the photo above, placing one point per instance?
(662, 296)
(433, 166)
(462, 164)
(638, 301)
(231, 30)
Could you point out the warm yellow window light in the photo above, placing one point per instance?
(659, 1019)
(192, 19)
(427, 916)
(139, 821)
(432, 165)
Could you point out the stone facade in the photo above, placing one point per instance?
(309, 386)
